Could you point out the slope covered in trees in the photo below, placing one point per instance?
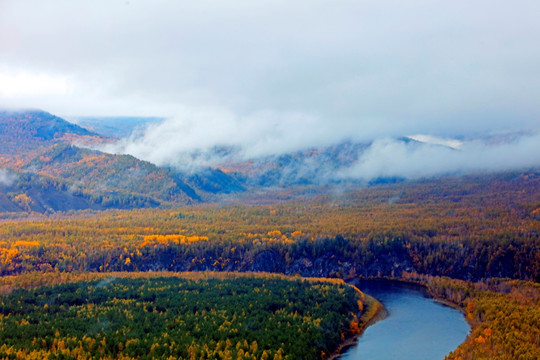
(40, 145)
(24, 131)
(261, 317)
(29, 192)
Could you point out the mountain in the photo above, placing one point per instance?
(314, 166)
(32, 192)
(95, 171)
(53, 157)
(47, 172)
(25, 131)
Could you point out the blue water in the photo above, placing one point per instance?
(417, 328)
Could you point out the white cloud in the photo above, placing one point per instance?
(21, 83)
(6, 177)
(268, 77)
(392, 158)
(189, 139)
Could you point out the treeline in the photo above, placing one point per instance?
(68, 246)
(159, 317)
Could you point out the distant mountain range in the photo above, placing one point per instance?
(48, 164)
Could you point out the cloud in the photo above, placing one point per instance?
(15, 83)
(209, 138)
(7, 178)
(396, 158)
(439, 67)
(248, 79)
(205, 137)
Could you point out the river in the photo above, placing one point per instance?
(416, 328)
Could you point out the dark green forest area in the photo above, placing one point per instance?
(171, 317)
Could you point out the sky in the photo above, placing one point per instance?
(276, 76)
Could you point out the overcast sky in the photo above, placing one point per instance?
(306, 72)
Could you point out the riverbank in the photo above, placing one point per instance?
(491, 308)
(373, 311)
(416, 328)
(423, 285)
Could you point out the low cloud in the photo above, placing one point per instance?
(7, 178)
(203, 137)
(411, 159)
(429, 139)
(208, 138)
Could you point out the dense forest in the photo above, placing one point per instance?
(180, 317)
(473, 230)
(464, 228)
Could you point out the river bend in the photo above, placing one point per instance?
(417, 327)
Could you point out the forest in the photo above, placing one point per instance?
(472, 241)
(470, 229)
(180, 317)
(215, 179)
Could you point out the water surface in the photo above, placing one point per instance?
(417, 328)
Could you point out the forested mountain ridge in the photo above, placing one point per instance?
(313, 166)
(94, 171)
(41, 163)
(24, 131)
(39, 151)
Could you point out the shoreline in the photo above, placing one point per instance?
(374, 311)
(424, 286)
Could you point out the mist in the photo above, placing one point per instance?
(205, 138)
(242, 80)
(7, 178)
(390, 158)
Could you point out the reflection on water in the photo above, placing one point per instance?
(416, 328)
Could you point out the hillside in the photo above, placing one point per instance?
(45, 146)
(95, 172)
(29, 192)
(53, 174)
(314, 166)
(24, 131)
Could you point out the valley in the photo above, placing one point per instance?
(269, 180)
(72, 216)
